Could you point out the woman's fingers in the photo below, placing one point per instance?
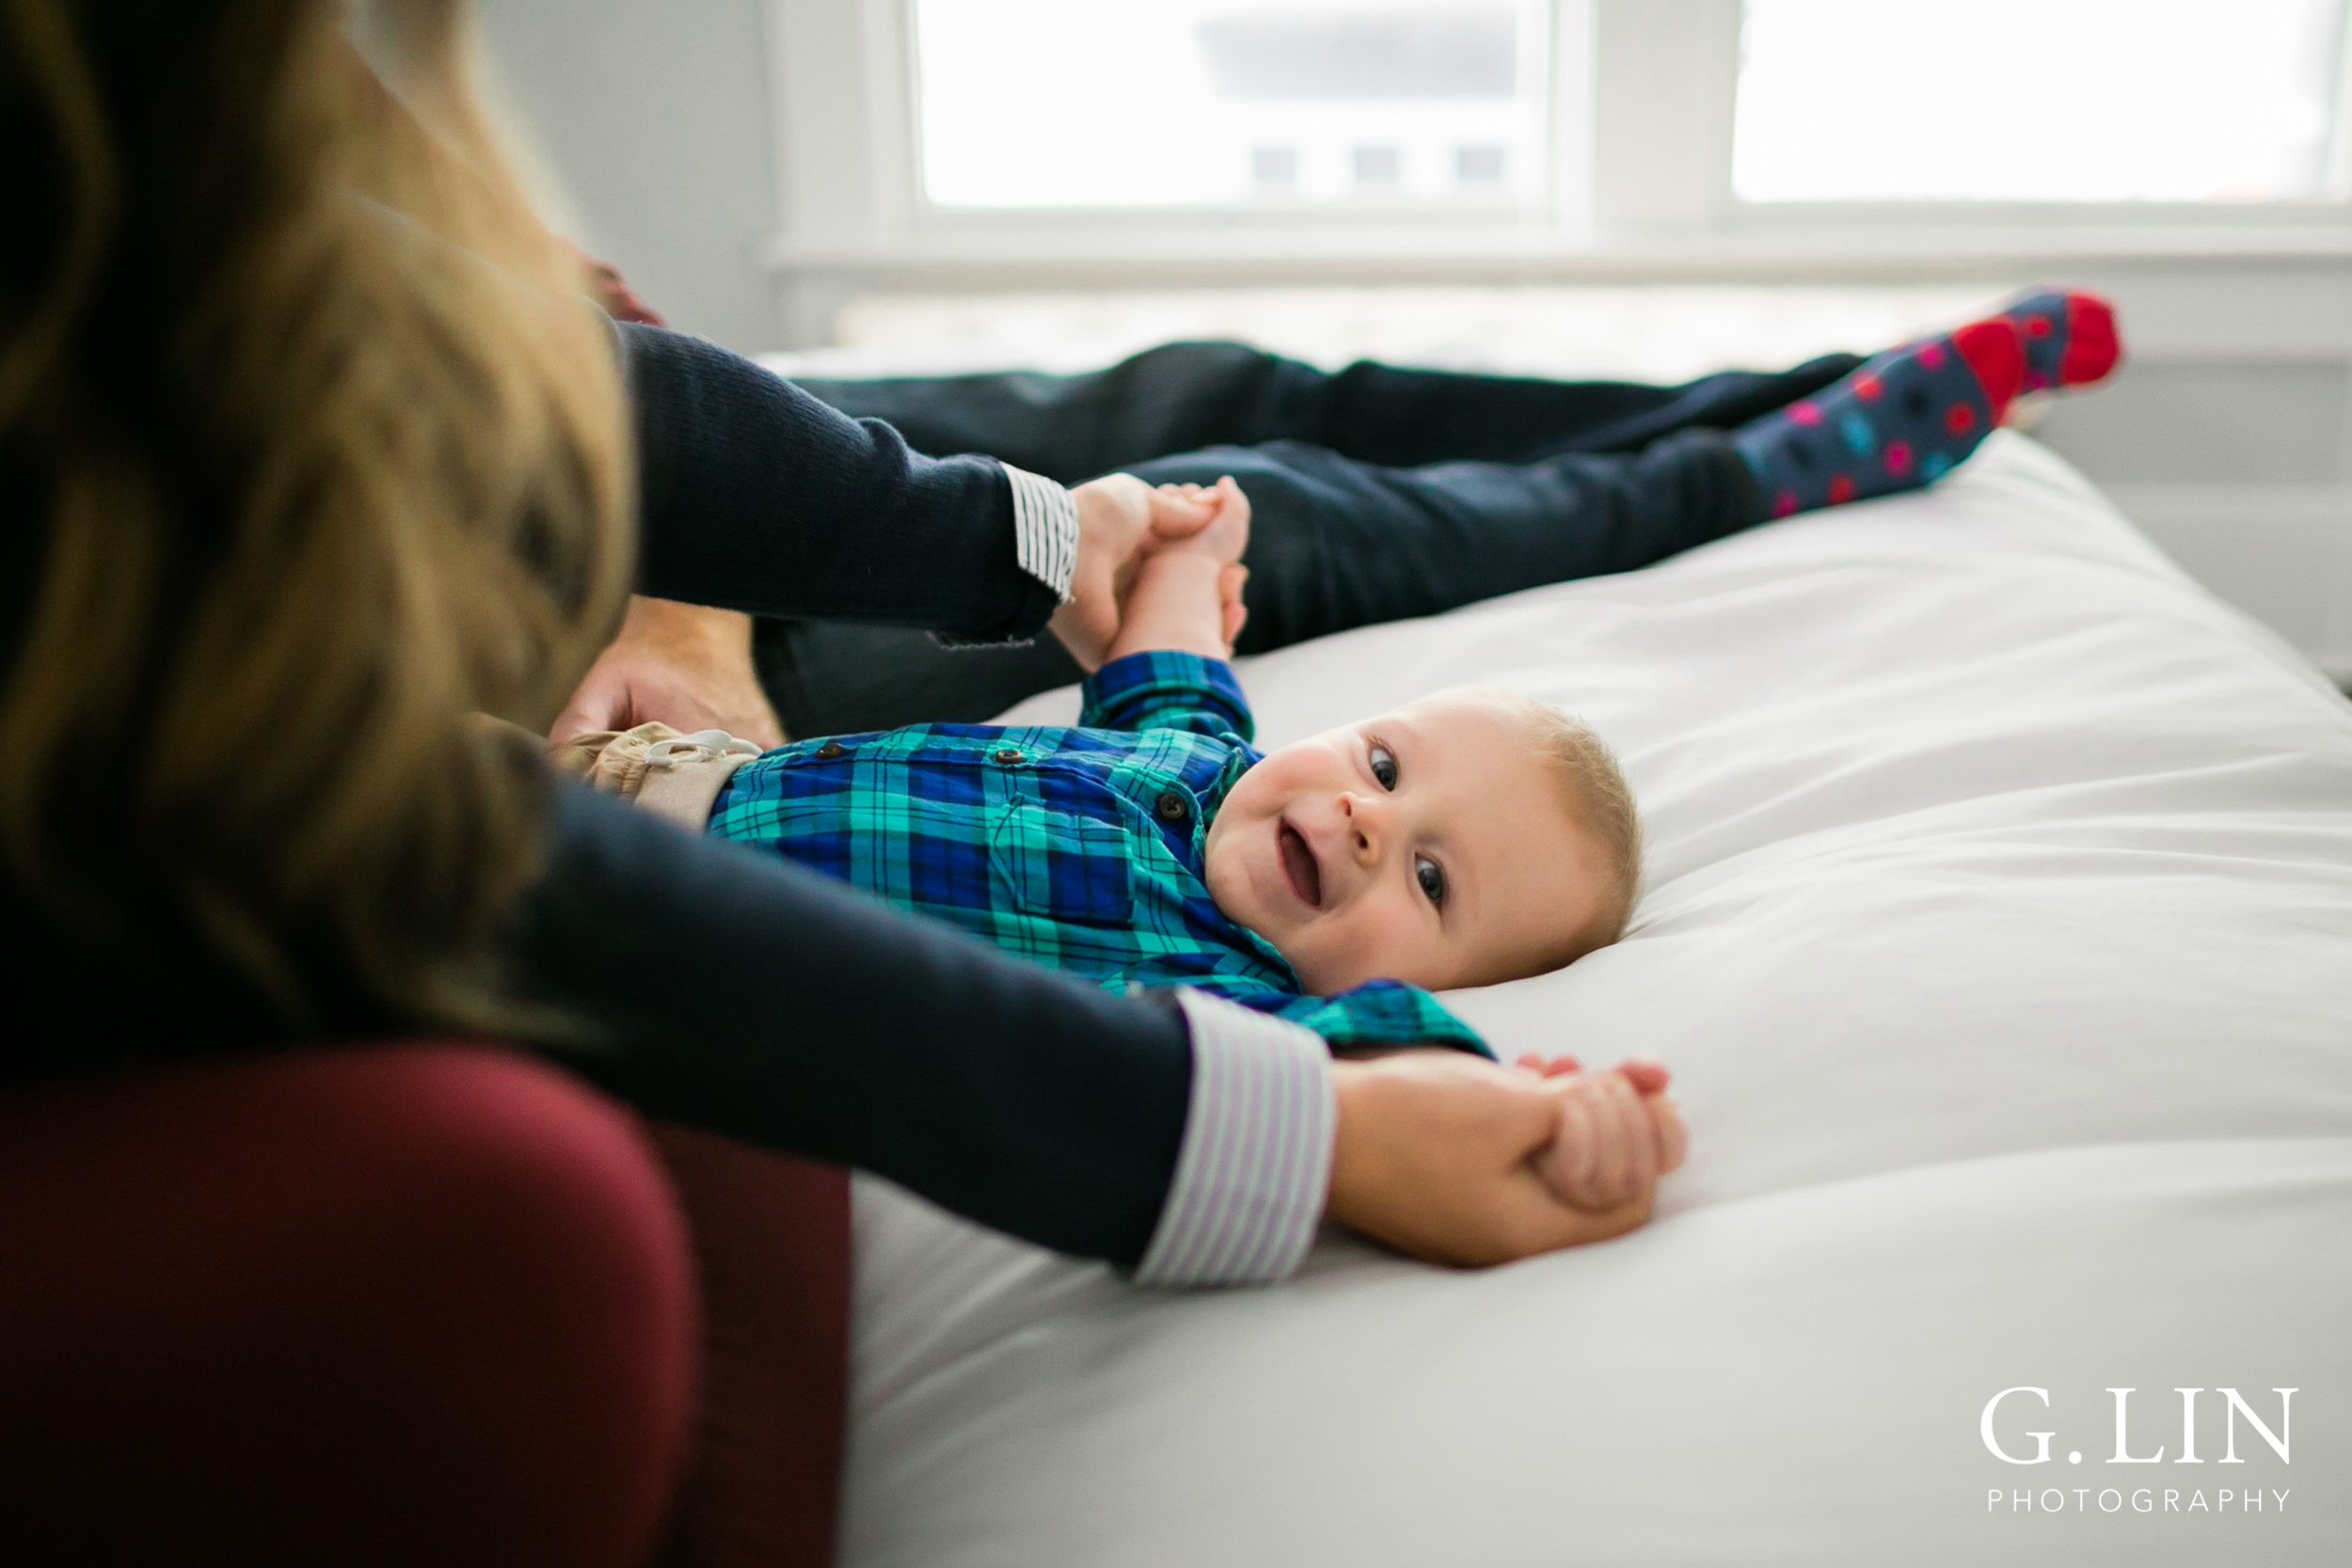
(1435, 1152)
(687, 666)
(1180, 514)
(1464, 1162)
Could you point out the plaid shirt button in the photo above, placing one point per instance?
(830, 750)
(1007, 757)
(1171, 806)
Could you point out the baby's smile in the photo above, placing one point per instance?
(1432, 846)
(1299, 864)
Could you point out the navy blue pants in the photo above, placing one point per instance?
(1377, 493)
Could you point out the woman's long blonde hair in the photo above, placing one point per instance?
(308, 450)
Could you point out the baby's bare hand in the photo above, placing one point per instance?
(1619, 1131)
(1225, 536)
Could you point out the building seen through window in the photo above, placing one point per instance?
(1214, 103)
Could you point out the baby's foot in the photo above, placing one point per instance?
(1899, 422)
(2068, 336)
(1904, 419)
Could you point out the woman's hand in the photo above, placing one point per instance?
(686, 666)
(1438, 1153)
(1121, 520)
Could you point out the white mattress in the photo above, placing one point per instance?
(1999, 931)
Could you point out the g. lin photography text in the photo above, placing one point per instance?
(2142, 1493)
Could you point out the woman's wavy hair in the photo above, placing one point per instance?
(310, 450)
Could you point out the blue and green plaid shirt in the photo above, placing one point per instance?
(1081, 848)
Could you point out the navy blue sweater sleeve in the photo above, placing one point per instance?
(746, 995)
(755, 496)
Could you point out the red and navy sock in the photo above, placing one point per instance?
(1896, 423)
(2069, 338)
(1903, 420)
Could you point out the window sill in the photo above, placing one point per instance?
(1058, 248)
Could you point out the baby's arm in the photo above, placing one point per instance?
(1186, 597)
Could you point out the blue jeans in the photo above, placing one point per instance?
(1377, 494)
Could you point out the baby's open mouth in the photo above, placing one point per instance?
(1299, 864)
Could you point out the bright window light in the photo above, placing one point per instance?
(2036, 99)
(1214, 102)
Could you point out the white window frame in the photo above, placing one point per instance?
(1639, 186)
(835, 63)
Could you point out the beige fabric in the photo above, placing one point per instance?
(672, 775)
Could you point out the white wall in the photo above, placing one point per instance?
(2228, 438)
(652, 117)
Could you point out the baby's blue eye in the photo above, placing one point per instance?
(1432, 879)
(1384, 765)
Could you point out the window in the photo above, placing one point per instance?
(2076, 101)
(1093, 103)
(1082, 136)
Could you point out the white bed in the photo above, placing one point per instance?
(1999, 931)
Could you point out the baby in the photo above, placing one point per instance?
(1471, 837)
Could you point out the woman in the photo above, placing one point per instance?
(310, 452)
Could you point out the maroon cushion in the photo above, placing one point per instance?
(772, 1240)
(419, 1305)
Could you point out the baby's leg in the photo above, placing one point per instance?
(1182, 397)
(828, 678)
(1336, 542)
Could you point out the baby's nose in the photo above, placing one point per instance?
(1367, 821)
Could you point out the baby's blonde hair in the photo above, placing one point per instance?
(1601, 804)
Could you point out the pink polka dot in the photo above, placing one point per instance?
(1960, 419)
(1805, 412)
(2037, 326)
(1866, 387)
(1785, 504)
(1840, 489)
(1898, 457)
(1931, 356)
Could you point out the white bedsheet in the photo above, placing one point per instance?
(1999, 932)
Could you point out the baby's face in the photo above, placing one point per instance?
(1429, 845)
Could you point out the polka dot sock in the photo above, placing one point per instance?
(1899, 422)
(2069, 338)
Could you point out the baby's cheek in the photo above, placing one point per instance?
(1383, 942)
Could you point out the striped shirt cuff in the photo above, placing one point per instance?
(1044, 529)
(1256, 1159)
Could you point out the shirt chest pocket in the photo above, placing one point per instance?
(1062, 866)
